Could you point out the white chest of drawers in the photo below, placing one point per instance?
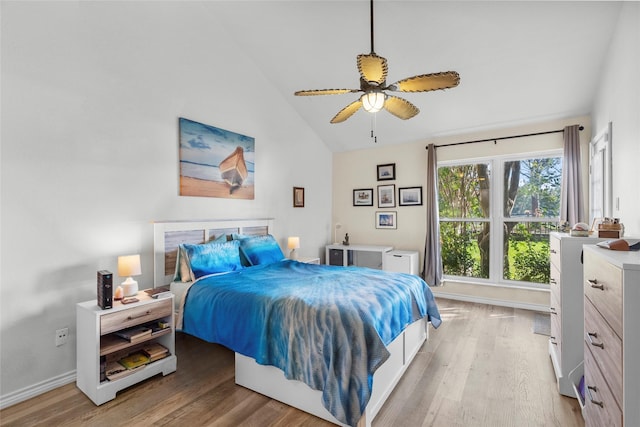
(611, 337)
(566, 306)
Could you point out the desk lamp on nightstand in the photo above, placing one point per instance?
(293, 243)
(129, 265)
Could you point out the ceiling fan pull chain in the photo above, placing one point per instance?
(373, 128)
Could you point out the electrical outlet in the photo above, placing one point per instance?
(61, 336)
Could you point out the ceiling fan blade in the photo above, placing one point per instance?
(347, 112)
(400, 107)
(324, 92)
(372, 68)
(427, 82)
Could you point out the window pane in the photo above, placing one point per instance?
(465, 248)
(463, 191)
(532, 187)
(526, 252)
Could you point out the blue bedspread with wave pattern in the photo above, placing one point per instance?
(324, 325)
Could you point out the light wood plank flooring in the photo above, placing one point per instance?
(483, 367)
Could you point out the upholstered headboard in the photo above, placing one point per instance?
(168, 235)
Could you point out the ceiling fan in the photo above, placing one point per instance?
(373, 84)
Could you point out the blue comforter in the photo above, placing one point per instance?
(324, 325)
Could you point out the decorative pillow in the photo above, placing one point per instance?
(261, 250)
(183, 270)
(243, 259)
(213, 257)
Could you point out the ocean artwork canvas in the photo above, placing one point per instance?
(215, 162)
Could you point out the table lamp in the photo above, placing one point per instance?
(129, 265)
(293, 243)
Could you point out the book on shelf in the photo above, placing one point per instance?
(134, 360)
(116, 371)
(135, 334)
(155, 351)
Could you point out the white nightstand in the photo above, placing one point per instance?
(98, 343)
(308, 260)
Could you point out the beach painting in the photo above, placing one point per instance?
(215, 162)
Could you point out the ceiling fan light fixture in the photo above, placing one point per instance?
(373, 101)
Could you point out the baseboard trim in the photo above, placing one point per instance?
(26, 393)
(490, 301)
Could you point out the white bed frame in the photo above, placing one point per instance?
(269, 380)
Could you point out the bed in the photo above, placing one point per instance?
(331, 341)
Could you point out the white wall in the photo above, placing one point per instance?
(91, 95)
(618, 101)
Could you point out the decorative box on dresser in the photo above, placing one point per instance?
(566, 306)
(611, 337)
(99, 343)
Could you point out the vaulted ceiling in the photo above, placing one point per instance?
(519, 62)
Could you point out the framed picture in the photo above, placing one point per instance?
(410, 196)
(387, 196)
(298, 197)
(386, 220)
(363, 197)
(387, 172)
(215, 162)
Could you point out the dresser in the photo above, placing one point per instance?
(611, 337)
(566, 306)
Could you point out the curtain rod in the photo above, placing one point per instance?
(495, 140)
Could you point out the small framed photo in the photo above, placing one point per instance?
(298, 197)
(387, 172)
(387, 196)
(410, 196)
(386, 220)
(363, 197)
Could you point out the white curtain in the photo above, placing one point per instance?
(432, 254)
(571, 198)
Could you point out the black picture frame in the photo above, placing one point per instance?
(363, 197)
(386, 172)
(298, 197)
(387, 196)
(410, 196)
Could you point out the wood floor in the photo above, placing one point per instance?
(483, 367)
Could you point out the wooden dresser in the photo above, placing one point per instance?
(611, 337)
(565, 343)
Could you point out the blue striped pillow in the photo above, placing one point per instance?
(261, 249)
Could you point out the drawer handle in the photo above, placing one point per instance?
(553, 251)
(552, 310)
(552, 281)
(146, 313)
(595, 390)
(552, 340)
(594, 284)
(594, 335)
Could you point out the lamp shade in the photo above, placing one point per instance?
(129, 265)
(293, 243)
(373, 101)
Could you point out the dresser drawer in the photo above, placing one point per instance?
(556, 333)
(555, 282)
(603, 286)
(554, 251)
(606, 348)
(600, 407)
(135, 316)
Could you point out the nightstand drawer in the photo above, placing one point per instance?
(135, 316)
(554, 252)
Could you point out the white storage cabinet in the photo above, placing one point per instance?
(401, 261)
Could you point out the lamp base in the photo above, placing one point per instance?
(129, 288)
(293, 254)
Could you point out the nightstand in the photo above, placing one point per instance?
(100, 343)
(308, 260)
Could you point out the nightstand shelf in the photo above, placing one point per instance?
(99, 344)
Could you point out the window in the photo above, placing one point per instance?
(495, 218)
